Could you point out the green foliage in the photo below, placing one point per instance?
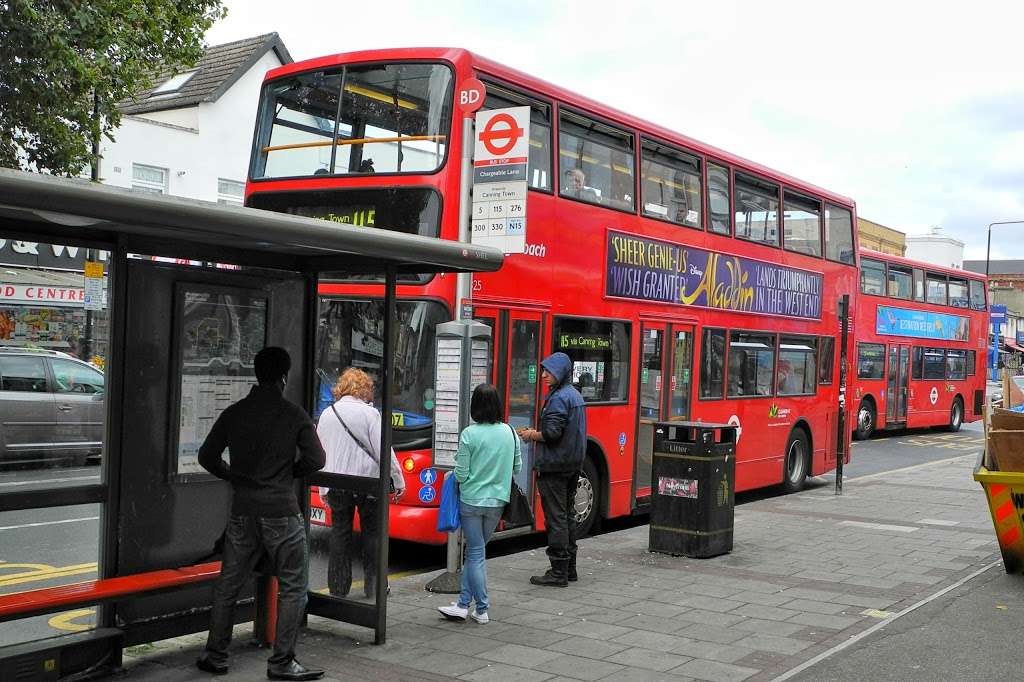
(67, 64)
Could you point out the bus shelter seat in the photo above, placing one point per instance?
(53, 599)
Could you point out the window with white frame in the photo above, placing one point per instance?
(230, 192)
(149, 179)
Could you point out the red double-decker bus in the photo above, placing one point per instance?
(922, 332)
(685, 283)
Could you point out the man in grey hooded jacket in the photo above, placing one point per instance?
(561, 446)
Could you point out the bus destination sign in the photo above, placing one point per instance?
(645, 269)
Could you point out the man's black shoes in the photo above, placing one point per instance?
(208, 666)
(292, 670)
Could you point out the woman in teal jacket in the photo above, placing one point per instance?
(489, 453)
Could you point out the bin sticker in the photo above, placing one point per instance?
(677, 487)
(428, 476)
(427, 494)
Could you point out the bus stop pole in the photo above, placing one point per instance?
(453, 555)
(844, 317)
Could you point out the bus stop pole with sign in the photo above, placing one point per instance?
(997, 315)
(844, 316)
(449, 581)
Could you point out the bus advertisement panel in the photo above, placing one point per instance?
(922, 331)
(684, 282)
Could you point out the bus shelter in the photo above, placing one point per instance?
(192, 290)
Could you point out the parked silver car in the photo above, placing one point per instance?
(51, 407)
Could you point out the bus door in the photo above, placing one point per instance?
(666, 356)
(897, 384)
(515, 370)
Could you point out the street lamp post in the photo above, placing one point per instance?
(995, 337)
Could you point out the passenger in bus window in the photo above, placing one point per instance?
(576, 186)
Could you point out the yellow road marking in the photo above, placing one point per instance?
(359, 583)
(43, 572)
(62, 621)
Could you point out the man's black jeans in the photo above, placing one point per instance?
(558, 499)
(343, 505)
(246, 539)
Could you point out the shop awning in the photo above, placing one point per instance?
(1012, 346)
(34, 206)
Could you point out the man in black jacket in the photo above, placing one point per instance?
(272, 442)
(561, 446)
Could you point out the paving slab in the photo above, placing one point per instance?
(807, 572)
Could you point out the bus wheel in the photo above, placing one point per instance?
(956, 416)
(795, 472)
(587, 495)
(865, 421)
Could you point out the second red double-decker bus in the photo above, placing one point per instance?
(684, 282)
(921, 335)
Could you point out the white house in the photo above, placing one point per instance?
(936, 248)
(191, 135)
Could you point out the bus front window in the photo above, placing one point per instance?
(391, 118)
(351, 334)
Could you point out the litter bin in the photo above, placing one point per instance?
(693, 485)
(1005, 493)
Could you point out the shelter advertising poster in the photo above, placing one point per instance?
(219, 336)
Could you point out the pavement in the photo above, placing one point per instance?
(899, 578)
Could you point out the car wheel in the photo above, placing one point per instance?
(865, 421)
(956, 416)
(586, 505)
(796, 462)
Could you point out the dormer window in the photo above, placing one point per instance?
(174, 83)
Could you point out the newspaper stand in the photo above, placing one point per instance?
(693, 476)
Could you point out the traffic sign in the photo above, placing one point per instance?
(500, 171)
(471, 96)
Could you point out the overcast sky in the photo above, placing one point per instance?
(914, 109)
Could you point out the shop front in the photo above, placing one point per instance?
(46, 309)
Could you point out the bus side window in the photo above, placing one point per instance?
(827, 360)
(915, 372)
(595, 162)
(972, 361)
(718, 200)
(801, 227)
(756, 209)
(669, 185)
(838, 234)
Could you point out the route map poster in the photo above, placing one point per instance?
(219, 334)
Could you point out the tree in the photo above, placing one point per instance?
(68, 63)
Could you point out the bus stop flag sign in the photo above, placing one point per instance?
(500, 167)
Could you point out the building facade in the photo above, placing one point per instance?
(1006, 287)
(881, 238)
(936, 248)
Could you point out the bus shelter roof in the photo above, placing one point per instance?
(73, 210)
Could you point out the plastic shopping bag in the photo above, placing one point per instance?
(448, 512)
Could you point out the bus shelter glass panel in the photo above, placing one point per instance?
(343, 541)
(54, 343)
(48, 548)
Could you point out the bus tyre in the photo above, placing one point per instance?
(865, 421)
(956, 416)
(796, 462)
(588, 493)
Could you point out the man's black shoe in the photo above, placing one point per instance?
(550, 579)
(207, 666)
(293, 670)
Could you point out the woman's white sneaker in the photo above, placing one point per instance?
(455, 612)
(481, 618)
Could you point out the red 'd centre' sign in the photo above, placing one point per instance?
(34, 293)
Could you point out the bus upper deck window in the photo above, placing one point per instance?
(596, 162)
(670, 185)
(756, 210)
